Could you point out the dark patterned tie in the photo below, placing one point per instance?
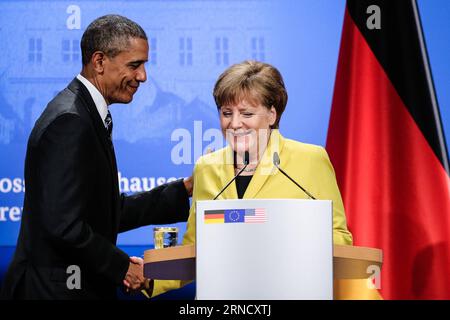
(109, 124)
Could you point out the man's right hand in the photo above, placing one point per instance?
(134, 279)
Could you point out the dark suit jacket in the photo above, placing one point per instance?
(73, 210)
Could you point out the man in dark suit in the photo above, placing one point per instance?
(73, 210)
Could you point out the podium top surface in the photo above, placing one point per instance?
(339, 251)
(358, 253)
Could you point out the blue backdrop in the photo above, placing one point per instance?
(165, 129)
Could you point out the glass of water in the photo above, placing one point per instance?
(164, 237)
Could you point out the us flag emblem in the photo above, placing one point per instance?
(257, 215)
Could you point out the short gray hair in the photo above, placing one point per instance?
(109, 34)
(257, 82)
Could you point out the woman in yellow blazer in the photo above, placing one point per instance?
(251, 98)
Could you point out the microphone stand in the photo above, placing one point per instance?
(276, 162)
(246, 162)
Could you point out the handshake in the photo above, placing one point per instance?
(134, 279)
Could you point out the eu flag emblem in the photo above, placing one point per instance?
(234, 216)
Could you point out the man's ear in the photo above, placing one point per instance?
(98, 61)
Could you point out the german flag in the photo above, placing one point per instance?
(214, 216)
(386, 142)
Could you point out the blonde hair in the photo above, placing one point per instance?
(253, 81)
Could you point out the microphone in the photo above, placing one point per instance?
(246, 162)
(276, 162)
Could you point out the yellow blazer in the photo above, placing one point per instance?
(307, 164)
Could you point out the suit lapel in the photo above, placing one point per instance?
(81, 91)
(265, 167)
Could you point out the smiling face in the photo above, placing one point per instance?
(123, 73)
(246, 126)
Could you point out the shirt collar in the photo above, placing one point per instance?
(99, 100)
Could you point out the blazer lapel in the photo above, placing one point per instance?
(226, 173)
(265, 167)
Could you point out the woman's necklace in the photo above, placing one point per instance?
(247, 169)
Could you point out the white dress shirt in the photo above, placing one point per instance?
(99, 101)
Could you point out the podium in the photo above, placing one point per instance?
(263, 249)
